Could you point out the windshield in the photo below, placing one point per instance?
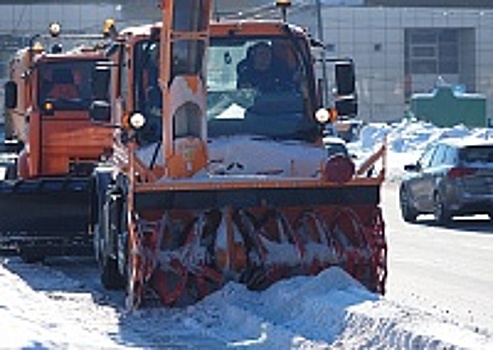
(66, 84)
(146, 74)
(255, 87)
(147, 93)
(187, 60)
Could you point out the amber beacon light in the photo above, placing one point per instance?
(283, 5)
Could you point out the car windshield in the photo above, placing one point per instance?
(66, 84)
(477, 155)
(254, 88)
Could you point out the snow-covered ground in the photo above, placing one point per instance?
(406, 141)
(42, 307)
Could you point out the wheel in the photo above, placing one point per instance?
(105, 230)
(96, 240)
(111, 278)
(11, 173)
(440, 210)
(408, 212)
(105, 243)
(99, 184)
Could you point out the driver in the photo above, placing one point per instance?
(60, 84)
(260, 70)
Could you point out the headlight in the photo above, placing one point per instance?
(55, 28)
(137, 121)
(322, 116)
(48, 106)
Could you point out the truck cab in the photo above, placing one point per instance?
(48, 106)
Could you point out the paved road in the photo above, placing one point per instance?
(448, 271)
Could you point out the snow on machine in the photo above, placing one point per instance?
(218, 171)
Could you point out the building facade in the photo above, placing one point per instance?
(402, 50)
(397, 50)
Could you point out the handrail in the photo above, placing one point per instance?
(372, 160)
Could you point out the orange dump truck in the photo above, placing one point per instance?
(54, 138)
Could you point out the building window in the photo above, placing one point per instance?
(432, 51)
(424, 66)
(423, 51)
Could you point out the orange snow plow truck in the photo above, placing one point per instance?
(54, 138)
(218, 171)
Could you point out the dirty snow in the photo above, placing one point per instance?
(330, 310)
(44, 308)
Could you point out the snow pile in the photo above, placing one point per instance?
(330, 310)
(250, 155)
(48, 309)
(406, 141)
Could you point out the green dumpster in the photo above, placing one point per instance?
(445, 107)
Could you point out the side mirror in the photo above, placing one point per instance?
(345, 78)
(411, 167)
(100, 111)
(347, 107)
(10, 95)
(101, 77)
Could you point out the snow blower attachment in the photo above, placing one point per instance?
(231, 182)
(184, 255)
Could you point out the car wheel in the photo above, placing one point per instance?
(408, 212)
(440, 210)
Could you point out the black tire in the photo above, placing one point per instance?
(111, 278)
(11, 173)
(112, 267)
(440, 210)
(99, 185)
(408, 212)
(106, 250)
(96, 239)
